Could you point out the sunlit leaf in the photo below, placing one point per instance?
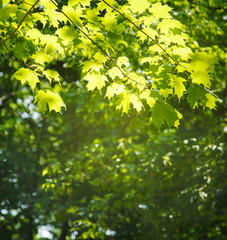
(25, 75)
(50, 99)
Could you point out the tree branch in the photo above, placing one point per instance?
(19, 23)
(10, 52)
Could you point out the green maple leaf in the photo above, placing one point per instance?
(4, 2)
(67, 34)
(200, 67)
(113, 89)
(25, 75)
(109, 21)
(52, 75)
(195, 93)
(125, 103)
(8, 11)
(160, 11)
(146, 95)
(177, 84)
(166, 92)
(163, 112)
(140, 6)
(95, 81)
(137, 104)
(130, 98)
(115, 72)
(52, 99)
(211, 101)
(122, 61)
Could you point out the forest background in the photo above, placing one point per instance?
(93, 173)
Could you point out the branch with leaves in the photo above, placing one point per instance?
(162, 62)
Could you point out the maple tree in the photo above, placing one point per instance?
(135, 55)
(91, 173)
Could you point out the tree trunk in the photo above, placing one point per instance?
(64, 230)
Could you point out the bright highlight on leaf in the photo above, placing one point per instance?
(113, 89)
(211, 101)
(25, 75)
(52, 75)
(177, 84)
(160, 11)
(140, 6)
(95, 81)
(50, 99)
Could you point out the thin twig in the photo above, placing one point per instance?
(19, 23)
(25, 64)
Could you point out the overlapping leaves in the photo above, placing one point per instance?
(111, 38)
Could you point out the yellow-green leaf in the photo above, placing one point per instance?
(95, 81)
(67, 34)
(140, 6)
(146, 95)
(125, 103)
(52, 99)
(26, 76)
(137, 104)
(115, 72)
(160, 11)
(113, 89)
(211, 101)
(52, 75)
(177, 84)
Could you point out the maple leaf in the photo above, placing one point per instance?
(151, 32)
(211, 101)
(113, 89)
(195, 93)
(52, 99)
(91, 64)
(200, 67)
(74, 14)
(95, 81)
(115, 72)
(125, 103)
(25, 75)
(52, 45)
(138, 7)
(129, 98)
(177, 84)
(146, 95)
(67, 34)
(110, 21)
(163, 112)
(41, 57)
(122, 61)
(137, 104)
(52, 75)
(160, 11)
(166, 92)
(4, 2)
(201, 77)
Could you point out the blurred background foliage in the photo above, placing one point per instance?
(91, 173)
